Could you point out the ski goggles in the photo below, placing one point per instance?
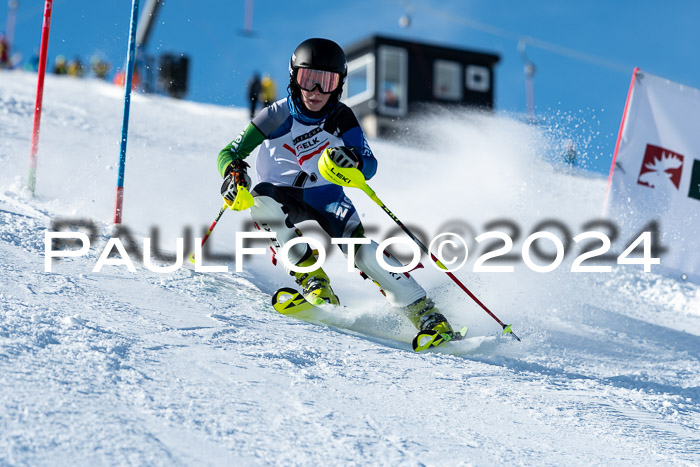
(308, 79)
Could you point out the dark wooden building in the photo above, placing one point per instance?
(390, 78)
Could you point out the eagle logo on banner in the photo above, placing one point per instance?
(660, 168)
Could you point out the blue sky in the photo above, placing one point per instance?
(584, 51)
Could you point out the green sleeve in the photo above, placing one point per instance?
(239, 148)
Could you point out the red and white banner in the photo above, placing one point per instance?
(655, 173)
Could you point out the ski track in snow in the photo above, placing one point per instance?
(114, 367)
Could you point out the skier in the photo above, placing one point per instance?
(293, 132)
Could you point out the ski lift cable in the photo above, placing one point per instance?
(530, 41)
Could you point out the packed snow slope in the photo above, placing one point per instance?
(188, 367)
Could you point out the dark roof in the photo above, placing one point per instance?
(375, 40)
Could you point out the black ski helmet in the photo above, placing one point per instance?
(318, 54)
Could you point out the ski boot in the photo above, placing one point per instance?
(425, 316)
(433, 326)
(316, 287)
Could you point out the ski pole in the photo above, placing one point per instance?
(506, 327)
(243, 201)
(352, 177)
(211, 228)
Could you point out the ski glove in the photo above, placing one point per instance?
(344, 157)
(236, 174)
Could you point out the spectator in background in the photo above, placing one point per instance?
(75, 68)
(135, 79)
(59, 65)
(4, 52)
(268, 90)
(33, 63)
(253, 93)
(99, 67)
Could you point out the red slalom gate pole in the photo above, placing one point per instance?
(48, 8)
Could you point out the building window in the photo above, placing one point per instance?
(478, 78)
(447, 80)
(359, 86)
(393, 81)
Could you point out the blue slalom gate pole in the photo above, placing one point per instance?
(128, 75)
